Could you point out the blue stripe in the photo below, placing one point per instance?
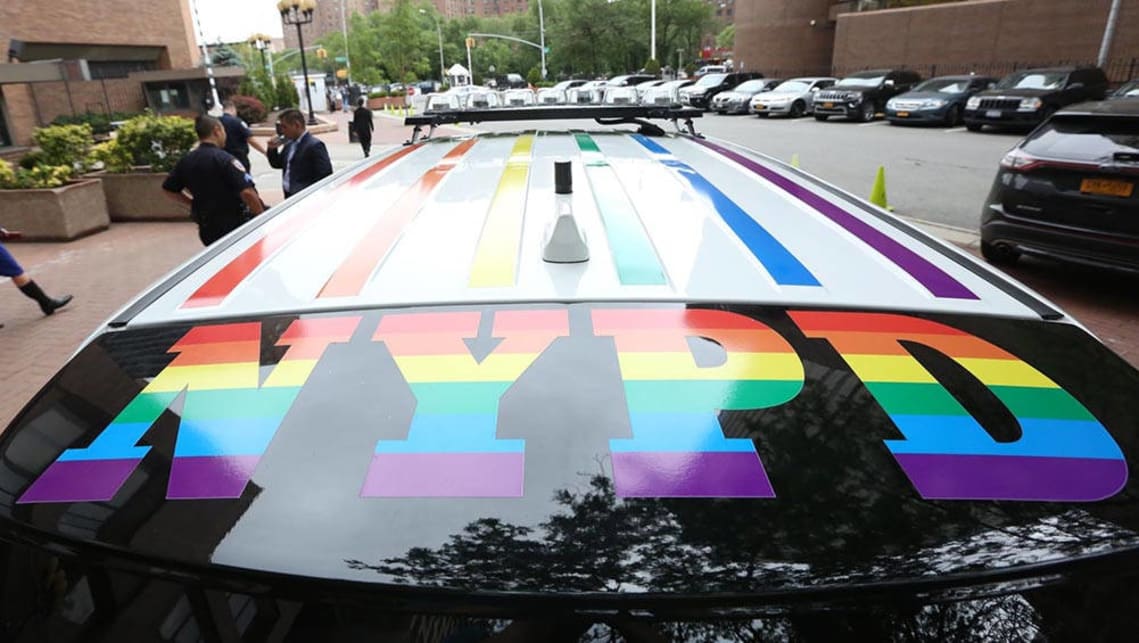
(679, 433)
(116, 442)
(962, 435)
(452, 433)
(225, 436)
(775, 258)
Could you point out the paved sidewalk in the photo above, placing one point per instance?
(105, 271)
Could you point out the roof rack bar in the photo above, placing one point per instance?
(616, 114)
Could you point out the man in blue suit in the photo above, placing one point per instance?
(302, 157)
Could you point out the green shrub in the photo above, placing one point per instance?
(100, 123)
(64, 145)
(534, 76)
(379, 94)
(32, 159)
(157, 141)
(38, 177)
(114, 157)
(652, 67)
(287, 95)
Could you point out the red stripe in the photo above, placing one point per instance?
(425, 323)
(336, 329)
(818, 323)
(350, 278)
(245, 332)
(222, 284)
(616, 321)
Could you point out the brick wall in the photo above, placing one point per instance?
(776, 36)
(986, 36)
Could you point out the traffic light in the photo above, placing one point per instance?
(321, 53)
(470, 43)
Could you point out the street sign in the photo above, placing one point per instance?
(341, 59)
(547, 50)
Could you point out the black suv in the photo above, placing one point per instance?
(861, 96)
(700, 93)
(1026, 98)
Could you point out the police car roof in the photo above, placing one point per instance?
(666, 218)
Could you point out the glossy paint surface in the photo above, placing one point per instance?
(335, 446)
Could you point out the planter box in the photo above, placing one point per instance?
(379, 103)
(138, 196)
(58, 214)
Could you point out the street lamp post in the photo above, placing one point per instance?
(261, 42)
(299, 12)
(542, 37)
(653, 20)
(439, 33)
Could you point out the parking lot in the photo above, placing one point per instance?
(935, 174)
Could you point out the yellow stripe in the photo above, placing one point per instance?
(205, 377)
(505, 367)
(496, 258)
(682, 366)
(291, 372)
(1006, 372)
(888, 368)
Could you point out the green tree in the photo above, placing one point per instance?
(401, 41)
(726, 39)
(287, 95)
(223, 56)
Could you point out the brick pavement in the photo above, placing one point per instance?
(106, 270)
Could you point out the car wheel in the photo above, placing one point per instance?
(953, 116)
(974, 127)
(999, 255)
(821, 117)
(866, 113)
(798, 108)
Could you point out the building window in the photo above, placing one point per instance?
(117, 68)
(168, 96)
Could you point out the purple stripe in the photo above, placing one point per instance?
(445, 475)
(936, 280)
(80, 481)
(642, 474)
(203, 477)
(992, 477)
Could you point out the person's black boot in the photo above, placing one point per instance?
(47, 304)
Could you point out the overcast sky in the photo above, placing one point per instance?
(236, 20)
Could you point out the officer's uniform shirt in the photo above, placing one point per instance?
(215, 179)
(237, 135)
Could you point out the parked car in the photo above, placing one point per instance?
(518, 98)
(551, 96)
(1026, 98)
(508, 81)
(738, 100)
(938, 100)
(567, 85)
(1130, 89)
(667, 93)
(1067, 191)
(701, 93)
(861, 96)
(466, 390)
(629, 80)
(620, 96)
(794, 97)
(647, 85)
(481, 99)
(711, 69)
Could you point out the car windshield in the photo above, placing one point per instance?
(1085, 138)
(711, 80)
(751, 86)
(1129, 89)
(861, 80)
(944, 85)
(1034, 80)
(792, 86)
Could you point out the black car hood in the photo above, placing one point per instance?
(184, 466)
(1017, 93)
(930, 94)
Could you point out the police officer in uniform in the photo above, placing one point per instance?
(238, 136)
(221, 194)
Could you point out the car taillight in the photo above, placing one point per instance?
(1018, 161)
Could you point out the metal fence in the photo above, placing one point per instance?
(1118, 70)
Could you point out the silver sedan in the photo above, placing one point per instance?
(794, 97)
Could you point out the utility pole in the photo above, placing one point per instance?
(653, 19)
(344, 29)
(1109, 32)
(215, 109)
(542, 37)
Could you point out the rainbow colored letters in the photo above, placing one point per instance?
(678, 447)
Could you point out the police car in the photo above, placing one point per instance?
(611, 382)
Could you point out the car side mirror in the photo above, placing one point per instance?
(889, 83)
(814, 89)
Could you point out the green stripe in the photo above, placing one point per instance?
(932, 399)
(146, 407)
(633, 252)
(684, 396)
(459, 397)
(240, 403)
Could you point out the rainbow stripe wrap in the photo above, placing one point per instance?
(228, 417)
(678, 447)
(1063, 454)
(451, 448)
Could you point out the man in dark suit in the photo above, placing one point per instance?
(302, 157)
(363, 125)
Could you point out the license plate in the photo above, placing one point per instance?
(993, 113)
(903, 114)
(1110, 187)
(828, 105)
(760, 106)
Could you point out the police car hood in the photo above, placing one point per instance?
(690, 438)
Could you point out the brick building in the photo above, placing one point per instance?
(100, 41)
(785, 37)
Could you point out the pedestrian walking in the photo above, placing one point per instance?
(345, 97)
(11, 268)
(301, 157)
(363, 125)
(222, 195)
(238, 136)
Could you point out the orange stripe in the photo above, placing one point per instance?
(350, 278)
(959, 346)
(218, 287)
